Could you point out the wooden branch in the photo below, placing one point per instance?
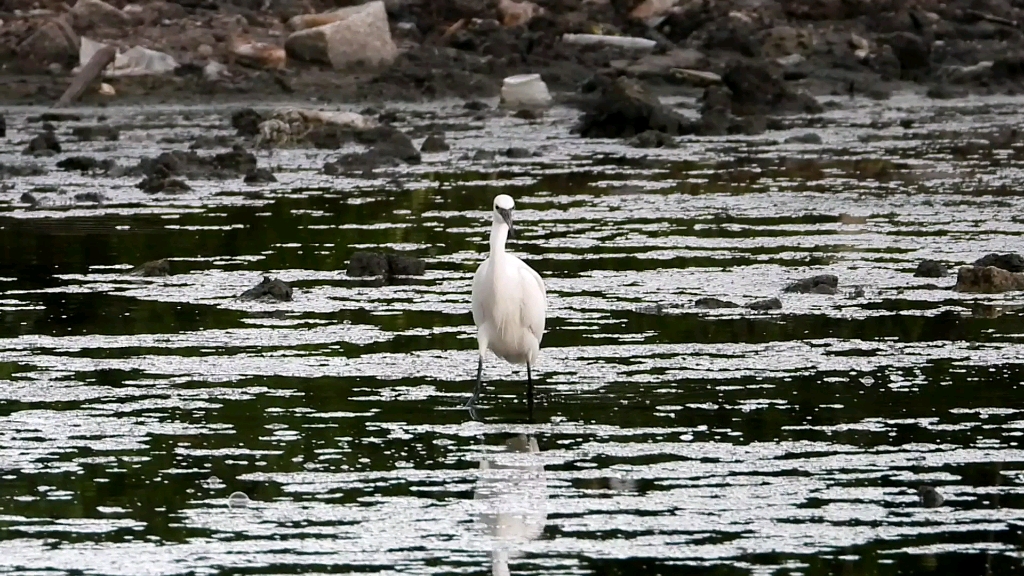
(103, 57)
(991, 18)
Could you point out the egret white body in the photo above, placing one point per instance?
(509, 302)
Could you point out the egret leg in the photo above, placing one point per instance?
(529, 390)
(479, 382)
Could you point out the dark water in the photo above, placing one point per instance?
(668, 440)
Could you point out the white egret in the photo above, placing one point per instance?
(509, 303)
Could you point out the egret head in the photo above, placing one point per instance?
(503, 205)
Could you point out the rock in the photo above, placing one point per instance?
(47, 141)
(214, 71)
(699, 78)
(362, 36)
(84, 163)
(912, 52)
(805, 138)
(517, 152)
(162, 184)
(528, 114)
(929, 497)
(434, 143)
(398, 145)
(945, 92)
(714, 303)
(517, 13)
(94, 197)
(257, 54)
(268, 289)
(259, 176)
(786, 41)
(1008, 262)
(930, 269)
(378, 264)
(237, 160)
(98, 132)
(652, 139)
(54, 42)
(153, 268)
(651, 12)
(89, 14)
(821, 284)
(3, 126)
(48, 117)
(755, 90)
(247, 122)
(768, 304)
(624, 109)
(988, 280)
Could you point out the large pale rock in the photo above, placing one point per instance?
(988, 279)
(361, 37)
(55, 41)
(652, 11)
(307, 21)
(88, 14)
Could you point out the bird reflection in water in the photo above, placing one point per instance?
(512, 491)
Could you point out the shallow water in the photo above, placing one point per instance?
(667, 439)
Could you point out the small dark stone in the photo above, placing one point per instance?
(29, 198)
(907, 123)
(768, 304)
(805, 138)
(3, 126)
(652, 139)
(246, 121)
(268, 289)
(434, 143)
(98, 132)
(821, 284)
(55, 117)
(476, 105)
(378, 264)
(259, 176)
(714, 303)
(483, 155)
(332, 168)
(47, 141)
(929, 497)
(153, 268)
(218, 141)
(516, 152)
(237, 160)
(944, 92)
(90, 197)
(625, 108)
(930, 269)
(80, 163)
(528, 114)
(155, 184)
(1008, 262)
(399, 146)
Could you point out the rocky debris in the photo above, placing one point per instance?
(709, 303)
(97, 132)
(54, 42)
(930, 269)
(259, 176)
(805, 138)
(434, 143)
(515, 13)
(54, 117)
(518, 152)
(756, 90)
(360, 36)
(820, 284)
(162, 183)
(929, 497)
(3, 126)
(255, 54)
(89, 14)
(190, 164)
(269, 289)
(1008, 262)
(298, 127)
(205, 142)
(152, 268)
(21, 171)
(624, 109)
(379, 264)
(247, 122)
(652, 139)
(988, 280)
(86, 164)
(765, 305)
(45, 144)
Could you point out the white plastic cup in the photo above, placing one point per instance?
(525, 91)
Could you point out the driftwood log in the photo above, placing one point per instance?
(103, 57)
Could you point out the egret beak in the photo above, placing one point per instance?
(506, 215)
